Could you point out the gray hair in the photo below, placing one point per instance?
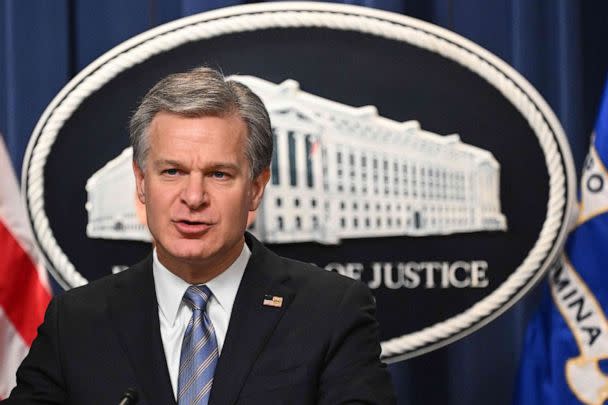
(204, 92)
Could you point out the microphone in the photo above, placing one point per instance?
(129, 397)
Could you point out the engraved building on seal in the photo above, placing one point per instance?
(342, 172)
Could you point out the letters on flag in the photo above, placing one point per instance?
(567, 341)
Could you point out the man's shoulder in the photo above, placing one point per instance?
(95, 291)
(300, 274)
(324, 286)
(311, 273)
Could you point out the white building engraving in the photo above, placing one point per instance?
(111, 202)
(343, 172)
(340, 172)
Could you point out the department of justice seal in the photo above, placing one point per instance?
(406, 157)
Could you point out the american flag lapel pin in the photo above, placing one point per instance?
(272, 301)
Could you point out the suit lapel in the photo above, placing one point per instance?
(251, 323)
(134, 312)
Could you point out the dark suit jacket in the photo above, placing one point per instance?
(320, 347)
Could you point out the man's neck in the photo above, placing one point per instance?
(200, 271)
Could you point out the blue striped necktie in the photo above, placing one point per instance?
(199, 351)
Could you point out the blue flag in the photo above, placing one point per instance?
(566, 347)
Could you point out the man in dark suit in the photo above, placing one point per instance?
(212, 316)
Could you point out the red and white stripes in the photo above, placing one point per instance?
(24, 288)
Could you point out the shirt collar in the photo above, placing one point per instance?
(170, 288)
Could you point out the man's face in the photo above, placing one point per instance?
(198, 191)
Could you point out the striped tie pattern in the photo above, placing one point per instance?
(199, 353)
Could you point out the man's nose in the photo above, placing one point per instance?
(194, 194)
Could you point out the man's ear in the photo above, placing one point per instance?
(139, 182)
(257, 189)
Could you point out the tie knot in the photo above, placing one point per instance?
(197, 296)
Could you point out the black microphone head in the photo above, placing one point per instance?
(131, 393)
(129, 397)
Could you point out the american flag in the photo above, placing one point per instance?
(273, 301)
(24, 288)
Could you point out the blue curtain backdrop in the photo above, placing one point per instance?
(558, 45)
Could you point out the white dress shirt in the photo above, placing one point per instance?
(174, 315)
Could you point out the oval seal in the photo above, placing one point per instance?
(405, 156)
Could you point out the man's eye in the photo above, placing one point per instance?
(219, 175)
(170, 172)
